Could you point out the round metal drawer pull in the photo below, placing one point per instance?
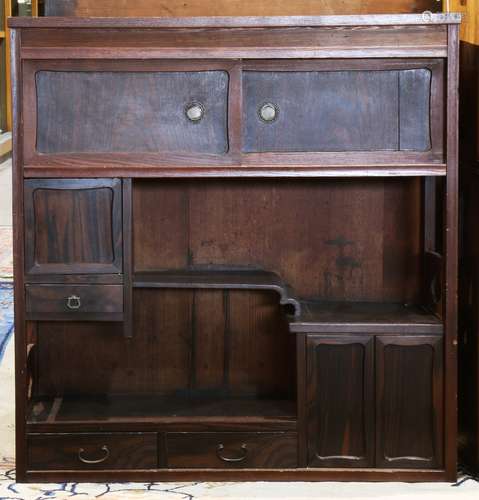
(241, 458)
(268, 112)
(104, 448)
(74, 302)
(195, 112)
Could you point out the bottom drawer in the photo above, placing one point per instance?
(93, 451)
(219, 450)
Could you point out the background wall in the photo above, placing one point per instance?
(171, 8)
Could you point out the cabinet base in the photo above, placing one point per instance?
(373, 475)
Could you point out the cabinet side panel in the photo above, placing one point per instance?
(18, 259)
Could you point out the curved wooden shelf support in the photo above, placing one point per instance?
(246, 279)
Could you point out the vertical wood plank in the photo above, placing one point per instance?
(451, 253)
(430, 200)
(19, 261)
(127, 258)
(235, 111)
(209, 352)
(301, 377)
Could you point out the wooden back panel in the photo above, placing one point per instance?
(335, 240)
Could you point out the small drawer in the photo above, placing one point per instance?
(93, 451)
(226, 450)
(74, 300)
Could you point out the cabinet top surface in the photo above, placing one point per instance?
(425, 18)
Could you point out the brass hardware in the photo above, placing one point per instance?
(73, 302)
(195, 112)
(268, 112)
(241, 458)
(104, 448)
(427, 16)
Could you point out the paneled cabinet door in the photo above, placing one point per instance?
(340, 401)
(73, 226)
(409, 421)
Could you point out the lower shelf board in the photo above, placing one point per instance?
(152, 411)
(364, 317)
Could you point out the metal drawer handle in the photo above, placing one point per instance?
(104, 448)
(195, 112)
(73, 302)
(244, 454)
(268, 112)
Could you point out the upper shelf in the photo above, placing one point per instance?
(219, 279)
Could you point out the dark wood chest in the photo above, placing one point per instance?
(236, 248)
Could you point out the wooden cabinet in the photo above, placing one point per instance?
(235, 248)
(409, 414)
(73, 226)
(375, 402)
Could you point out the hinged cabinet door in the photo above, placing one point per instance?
(73, 226)
(340, 401)
(409, 402)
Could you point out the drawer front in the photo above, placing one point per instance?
(225, 450)
(337, 111)
(132, 112)
(92, 451)
(74, 299)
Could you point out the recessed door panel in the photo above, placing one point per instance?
(337, 111)
(73, 226)
(132, 112)
(409, 402)
(340, 401)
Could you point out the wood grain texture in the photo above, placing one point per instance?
(89, 299)
(88, 8)
(112, 451)
(224, 361)
(73, 227)
(21, 373)
(225, 278)
(238, 223)
(410, 405)
(192, 475)
(451, 246)
(98, 112)
(390, 40)
(235, 21)
(238, 450)
(340, 401)
(234, 163)
(155, 412)
(170, 332)
(338, 111)
(364, 317)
